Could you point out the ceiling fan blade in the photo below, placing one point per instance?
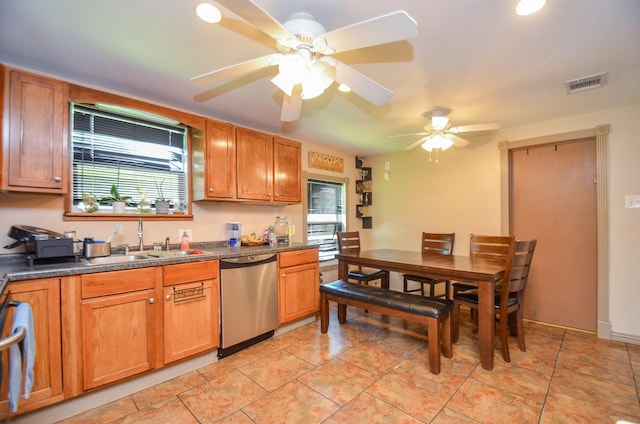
(406, 135)
(414, 145)
(395, 26)
(291, 108)
(256, 16)
(489, 126)
(457, 141)
(214, 77)
(362, 85)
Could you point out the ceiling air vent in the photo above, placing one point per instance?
(585, 83)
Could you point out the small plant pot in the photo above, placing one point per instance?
(162, 207)
(119, 207)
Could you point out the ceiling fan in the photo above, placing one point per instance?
(439, 134)
(304, 47)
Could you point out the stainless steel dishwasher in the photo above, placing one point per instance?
(248, 301)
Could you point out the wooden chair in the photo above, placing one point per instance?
(493, 248)
(509, 301)
(349, 244)
(432, 244)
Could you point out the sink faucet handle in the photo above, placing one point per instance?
(166, 243)
(125, 248)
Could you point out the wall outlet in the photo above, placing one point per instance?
(181, 231)
(632, 201)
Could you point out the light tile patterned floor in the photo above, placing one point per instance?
(374, 369)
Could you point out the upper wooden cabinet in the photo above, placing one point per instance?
(35, 142)
(213, 161)
(287, 170)
(239, 164)
(254, 165)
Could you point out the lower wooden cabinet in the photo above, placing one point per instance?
(191, 304)
(298, 284)
(119, 325)
(43, 296)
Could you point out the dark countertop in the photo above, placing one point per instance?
(13, 267)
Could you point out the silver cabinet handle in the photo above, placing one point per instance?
(152, 300)
(168, 297)
(210, 190)
(57, 179)
(284, 275)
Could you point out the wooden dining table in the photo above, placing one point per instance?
(459, 268)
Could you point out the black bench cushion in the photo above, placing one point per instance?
(389, 298)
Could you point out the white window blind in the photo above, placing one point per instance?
(326, 215)
(109, 148)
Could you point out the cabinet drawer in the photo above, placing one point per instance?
(194, 271)
(297, 257)
(113, 282)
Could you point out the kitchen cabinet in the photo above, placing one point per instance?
(191, 309)
(35, 142)
(214, 162)
(254, 165)
(298, 284)
(287, 170)
(43, 295)
(120, 324)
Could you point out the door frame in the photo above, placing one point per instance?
(600, 133)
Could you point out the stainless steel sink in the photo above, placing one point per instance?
(115, 259)
(171, 253)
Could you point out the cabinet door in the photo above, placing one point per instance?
(220, 161)
(37, 146)
(299, 291)
(44, 298)
(118, 337)
(287, 170)
(190, 319)
(254, 165)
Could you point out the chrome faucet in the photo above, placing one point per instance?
(166, 243)
(140, 244)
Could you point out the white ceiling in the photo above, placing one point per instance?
(475, 57)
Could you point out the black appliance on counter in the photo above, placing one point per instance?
(40, 243)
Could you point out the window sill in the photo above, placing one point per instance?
(97, 216)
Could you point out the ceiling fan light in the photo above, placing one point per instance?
(344, 88)
(439, 122)
(208, 13)
(284, 83)
(445, 143)
(528, 7)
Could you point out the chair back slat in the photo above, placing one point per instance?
(437, 244)
(493, 248)
(517, 271)
(349, 242)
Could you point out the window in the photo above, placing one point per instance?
(326, 214)
(139, 154)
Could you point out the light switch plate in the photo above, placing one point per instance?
(632, 201)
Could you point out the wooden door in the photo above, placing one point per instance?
(118, 337)
(38, 146)
(220, 161)
(287, 170)
(44, 298)
(254, 165)
(190, 319)
(553, 199)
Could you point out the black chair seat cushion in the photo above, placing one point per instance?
(388, 298)
(471, 296)
(365, 272)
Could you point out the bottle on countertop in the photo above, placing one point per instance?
(281, 229)
(184, 241)
(272, 236)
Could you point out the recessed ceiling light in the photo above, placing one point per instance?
(528, 7)
(208, 13)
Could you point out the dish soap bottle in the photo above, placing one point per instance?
(184, 241)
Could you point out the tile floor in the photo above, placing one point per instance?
(374, 369)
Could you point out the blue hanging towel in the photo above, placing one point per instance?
(26, 349)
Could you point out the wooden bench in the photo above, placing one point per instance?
(434, 313)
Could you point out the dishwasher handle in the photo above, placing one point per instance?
(247, 261)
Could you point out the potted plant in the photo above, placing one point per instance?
(162, 203)
(115, 199)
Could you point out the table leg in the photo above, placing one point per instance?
(486, 324)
